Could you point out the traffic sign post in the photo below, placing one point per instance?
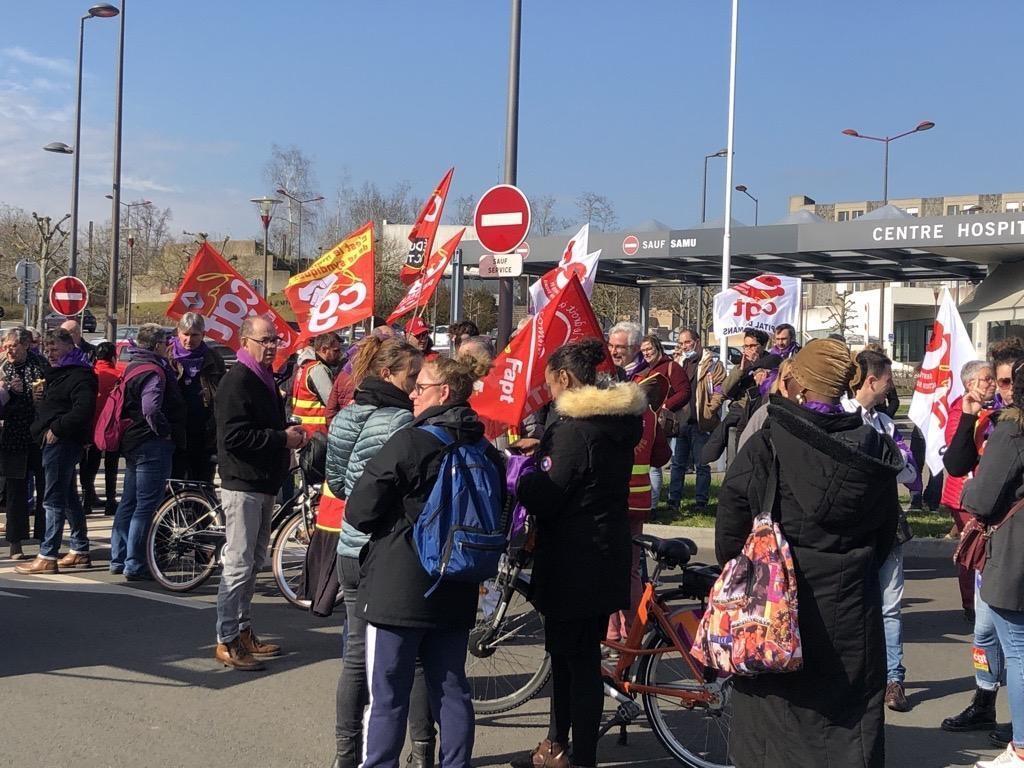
(68, 296)
(501, 265)
(502, 218)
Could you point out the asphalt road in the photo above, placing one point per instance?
(96, 672)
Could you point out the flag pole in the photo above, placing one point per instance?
(727, 232)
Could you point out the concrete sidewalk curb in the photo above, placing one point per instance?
(704, 538)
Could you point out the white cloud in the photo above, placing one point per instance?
(144, 185)
(19, 54)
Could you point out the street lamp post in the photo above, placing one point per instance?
(266, 205)
(704, 188)
(317, 199)
(115, 213)
(743, 188)
(925, 125)
(506, 294)
(131, 257)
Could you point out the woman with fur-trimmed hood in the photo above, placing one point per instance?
(583, 552)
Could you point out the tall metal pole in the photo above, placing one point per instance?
(505, 287)
(704, 194)
(76, 160)
(885, 176)
(131, 280)
(266, 256)
(727, 232)
(115, 214)
(455, 312)
(92, 265)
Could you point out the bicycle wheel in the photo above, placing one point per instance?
(288, 559)
(184, 540)
(507, 665)
(696, 735)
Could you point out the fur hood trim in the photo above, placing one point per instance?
(616, 400)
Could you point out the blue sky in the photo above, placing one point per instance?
(623, 99)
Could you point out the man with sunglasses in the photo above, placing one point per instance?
(253, 441)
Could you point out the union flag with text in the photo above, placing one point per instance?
(515, 386)
(423, 287)
(215, 290)
(337, 290)
(421, 236)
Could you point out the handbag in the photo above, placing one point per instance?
(904, 532)
(669, 423)
(972, 550)
(750, 626)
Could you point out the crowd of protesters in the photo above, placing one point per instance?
(821, 414)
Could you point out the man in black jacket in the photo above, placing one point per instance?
(253, 444)
(65, 406)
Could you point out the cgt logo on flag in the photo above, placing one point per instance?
(763, 303)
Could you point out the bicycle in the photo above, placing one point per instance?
(187, 535)
(686, 706)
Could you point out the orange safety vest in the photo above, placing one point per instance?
(306, 406)
(330, 512)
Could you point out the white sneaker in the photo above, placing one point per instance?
(1005, 759)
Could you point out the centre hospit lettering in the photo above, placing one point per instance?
(938, 232)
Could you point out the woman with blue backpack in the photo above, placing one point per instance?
(583, 555)
(420, 582)
(384, 372)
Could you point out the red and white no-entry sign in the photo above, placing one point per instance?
(630, 245)
(68, 295)
(502, 218)
(524, 250)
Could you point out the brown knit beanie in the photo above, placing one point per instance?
(825, 366)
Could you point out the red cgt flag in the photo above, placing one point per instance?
(337, 290)
(515, 386)
(215, 290)
(423, 287)
(421, 236)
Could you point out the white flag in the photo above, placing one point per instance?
(939, 384)
(575, 261)
(761, 303)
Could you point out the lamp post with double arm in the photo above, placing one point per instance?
(925, 125)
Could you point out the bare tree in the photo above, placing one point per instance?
(544, 217)
(597, 210)
(842, 312)
(462, 210)
(291, 169)
(613, 303)
(480, 307)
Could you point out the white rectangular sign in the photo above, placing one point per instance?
(501, 265)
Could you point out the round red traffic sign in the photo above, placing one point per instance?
(502, 218)
(630, 245)
(524, 250)
(68, 295)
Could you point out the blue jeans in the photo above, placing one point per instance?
(60, 500)
(890, 576)
(147, 468)
(688, 447)
(989, 672)
(1010, 627)
(657, 481)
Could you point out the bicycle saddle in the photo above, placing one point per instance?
(670, 552)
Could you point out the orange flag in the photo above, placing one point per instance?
(215, 290)
(423, 287)
(337, 290)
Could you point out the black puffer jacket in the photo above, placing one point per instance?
(68, 405)
(997, 485)
(198, 394)
(385, 502)
(580, 500)
(837, 505)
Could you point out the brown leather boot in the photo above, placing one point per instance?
(234, 655)
(548, 754)
(257, 649)
(37, 566)
(75, 560)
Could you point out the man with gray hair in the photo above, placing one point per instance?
(198, 369)
(20, 455)
(253, 444)
(154, 404)
(624, 347)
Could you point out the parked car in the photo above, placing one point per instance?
(53, 320)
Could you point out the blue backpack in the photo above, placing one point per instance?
(460, 534)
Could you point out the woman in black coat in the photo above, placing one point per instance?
(837, 505)
(583, 554)
(997, 485)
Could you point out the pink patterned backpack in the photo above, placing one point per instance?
(750, 626)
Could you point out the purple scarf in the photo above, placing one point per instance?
(74, 357)
(264, 374)
(829, 409)
(190, 360)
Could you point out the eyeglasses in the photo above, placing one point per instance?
(1004, 382)
(270, 342)
(421, 388)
